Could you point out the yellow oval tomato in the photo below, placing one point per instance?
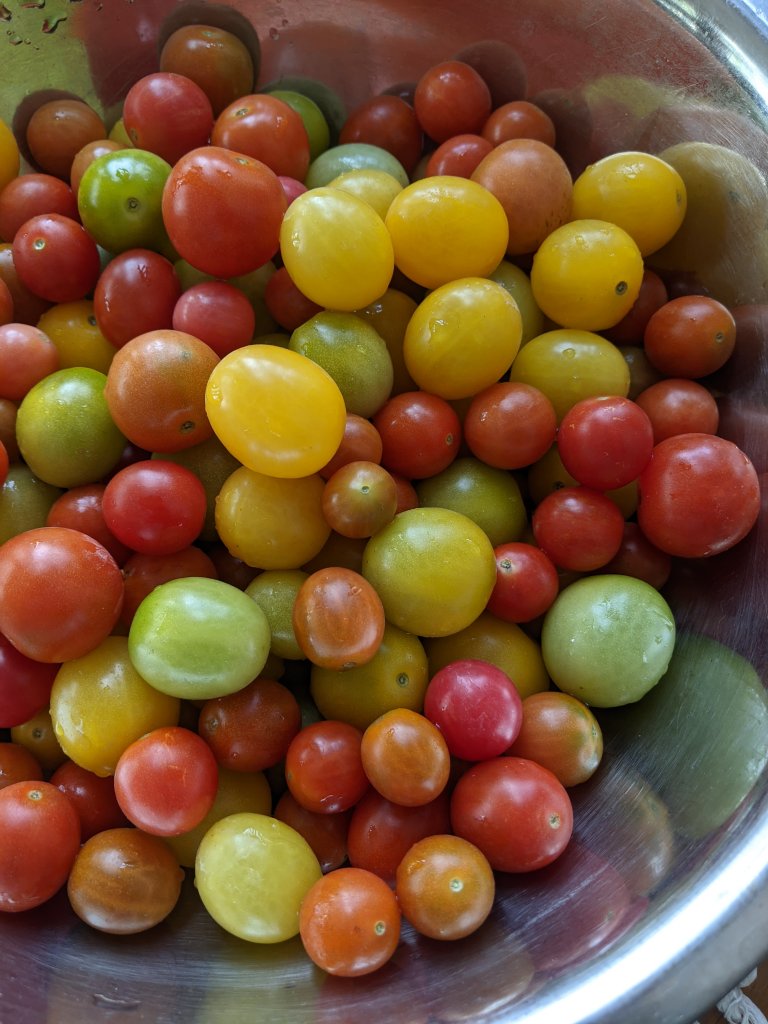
(640, 192)
(444, 227)
(73, 329)
(377, 188)
(336, 248)
(462, 337)
(275, 410)
(433, 568)
(587, 274)
(270, 522)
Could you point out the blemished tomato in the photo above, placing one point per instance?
(338, 618)
(560, 733)
(266, 128)
(167, 114)
(445, 887)
(699, 495)
(124, 881)
(253, 873)
(39, 839)
(92, 796)
(451, 98)
(214, 192)
(515, 811)
(323, 767)
(60, 593)
(350, 922)
(136, 293)
(526, 582)
(476, 707)
(405, 757)
(166, 781)
(155, 390)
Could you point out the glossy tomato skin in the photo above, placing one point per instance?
(515, 811)
(526, 582)
(560, 733)
(30, 195)
(92, 796)
(56, 258)
(39, 839)
(267, 129)
(167, 114)
(578, 528)
(323, 767)
(25, 685)
(136, 293)
(420, 433)
(60, 593)
(215, 193)
(699, 495)
(605, 442)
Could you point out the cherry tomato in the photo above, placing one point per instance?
(142, 573)
(60, 128)
(216, 59)
(92, 796)
(638, 557)
(289, 306)
(266, 128)
(578, 528)
(360, 498)
(451, 98)
(325, 833)
(388, 122)
(39, 839)
(679, 406)
(27, 355)
(74, 330)
(38, 737)
(458, 156)
(350, 922)
(79, 508)
(361, 442)
(167, 114)
(652, 296)
(338, 618)
(690, 336)
(519, 119)
(699, 495)
(251, 730)
(124, 881)
(323, 767)
(405, 757)
(6, 304)
(420, 434)
(510, 425)
(445, 887)
(17, 764)
(27, 307)
(526, 582)
(213, 192)
(84, 158)
(136, 293)
(217, 313)
(560, 733)
(605, 442)
(165, 782)
(515, 811)
(60, 593)
(32, 195)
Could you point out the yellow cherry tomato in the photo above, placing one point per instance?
(378, 188)
(10, 161)
(272, 522)
(462, 337)
(445, 227)
(568, 365)
(275, 410)
(73, 329)
(587, 274)
(336, 248)
(640, 192)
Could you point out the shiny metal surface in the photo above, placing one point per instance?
(660, 904)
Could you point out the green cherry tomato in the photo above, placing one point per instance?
(353, 156)
(314, 120)
(198, 638)
(119, 200)
(608, 639)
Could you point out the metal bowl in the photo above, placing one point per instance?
(660, 904)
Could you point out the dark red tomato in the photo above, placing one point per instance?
(27, 307)
(519, 119)
(136, 293)
(407, 496)
(30, 195)
(510, 425)
(217, 313)
(652, 296)
(578, 528)
(388, 122)
(526, 582)
(361, 442)
(323, 767)
(167, 114)
(338, 618)
(639, 558)
(679, 406)
(166, 782)
(406, 757)
(229, 568)
(690, 336)
(79, 508)
(325, 833)
(85, 157)
(25, 685)
(218, 60)
(560, 733)
(6, 304)
(381, 832)
(420, 434)
(458, 155)
(39, 840)
(252, 729)
(288, 306)
(699, 495)
(142, 573)
(60, 593)
(17, 764)
(605, 442)
(451, 99)
(476, 707)
(92, 796)
(514, 810)
(266, 128)
(27, 355)
(359, 499)
(214, 193)
(56, 258)
(60, 128)
(155, 506)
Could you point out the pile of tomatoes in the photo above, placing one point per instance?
(344, 464)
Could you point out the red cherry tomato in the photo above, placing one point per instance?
(605, 442)
(265, 128)
(578, 528)
(323, 767)
(25, 685)
(451, 99)
(420, 434)
(56, 258)
(217, 313)
(458, 155)
(526, 582)
(92, 796)
(136, 293)
(167, 114)
(388, 122)
(30, 195)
